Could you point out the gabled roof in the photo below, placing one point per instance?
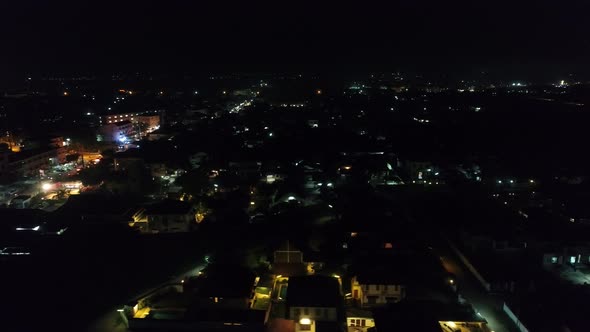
(168, 206)
(314, 291)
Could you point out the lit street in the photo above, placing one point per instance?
(488, 305)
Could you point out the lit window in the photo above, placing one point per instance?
(554, 259)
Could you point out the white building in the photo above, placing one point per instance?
(375, 289)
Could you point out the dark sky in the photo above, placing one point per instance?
(53, 35)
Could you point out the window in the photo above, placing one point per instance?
(391, 299)
(357, 322)
(377, 287)
(372, 299)
(554, 259)
(305, 327)
(305, 311)
(318, 312)
(296, 312)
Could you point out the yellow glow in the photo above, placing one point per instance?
(347, 167)
(452, 324)
(336, 276)
(46, 186)
(252, 203)
(305, 321)
(318, 91)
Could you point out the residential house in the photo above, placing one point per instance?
(377, 287)
(223, 286)
(315, 303)
(170, 216)
(358, 320)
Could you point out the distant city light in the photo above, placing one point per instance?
(291, 198)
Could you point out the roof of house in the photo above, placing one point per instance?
(423, 315)
(14, 217)
(168, 206)
(221, 280)
(314, 291)
(96, 204)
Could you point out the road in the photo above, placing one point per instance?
(111, 321)
(488, 305)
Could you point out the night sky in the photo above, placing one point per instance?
(93, 36)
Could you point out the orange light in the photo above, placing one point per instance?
(66, 93)
(318, 92)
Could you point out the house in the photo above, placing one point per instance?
(377, 287)
(223, 286)
(169, 216)
(315, 303)
(21, 202)
(358, 320)
(429, 316)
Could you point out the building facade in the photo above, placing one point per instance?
(120, 132)
(376, 292)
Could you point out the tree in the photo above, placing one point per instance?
(194, 182)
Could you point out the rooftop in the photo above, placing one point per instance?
(220, 280)
(314, 291)
(168, 206)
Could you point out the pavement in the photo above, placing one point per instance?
(489, 305)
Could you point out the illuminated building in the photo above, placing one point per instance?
(315, 301)
(120, 132)
(143, 122)
(373, 289)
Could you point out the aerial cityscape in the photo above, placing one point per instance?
(174, 166)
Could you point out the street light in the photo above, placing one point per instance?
(305, 321)
(46, 186)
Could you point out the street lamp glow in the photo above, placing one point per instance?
(305, 321)
(46, 186)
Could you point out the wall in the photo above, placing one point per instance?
(384, 291)
(314, 313)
